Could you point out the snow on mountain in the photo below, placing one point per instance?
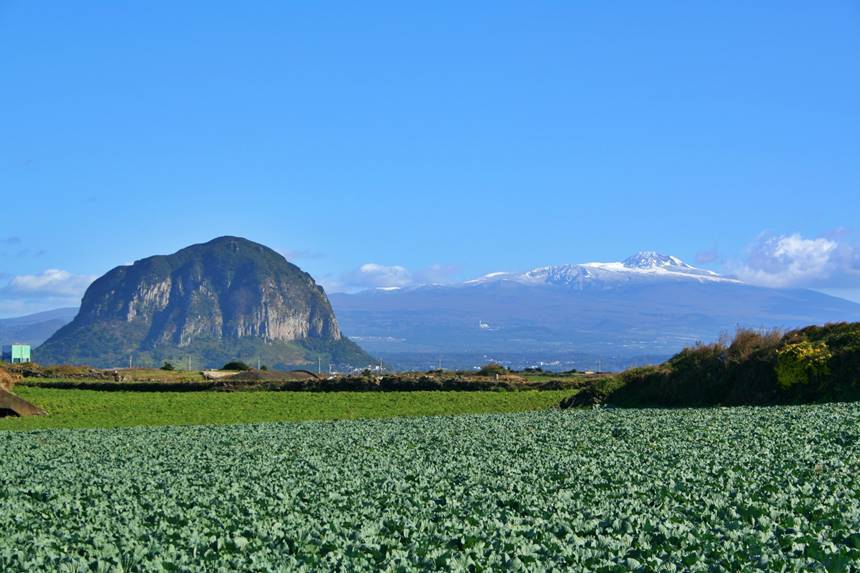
(645, 266)
(648, 304)
(651, 259)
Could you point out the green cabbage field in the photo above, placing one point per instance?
(602, 490)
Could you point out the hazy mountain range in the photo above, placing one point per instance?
(34, 329)
(615, 314)
(611, 314)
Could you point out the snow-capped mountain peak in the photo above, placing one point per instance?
(644, 266)
(652, 259)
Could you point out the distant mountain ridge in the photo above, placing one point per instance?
(34, 329)
(226, 299)
(643, 266)
(582, 315)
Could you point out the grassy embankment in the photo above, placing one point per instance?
(816, 364)
(96, 409)
(35, 372)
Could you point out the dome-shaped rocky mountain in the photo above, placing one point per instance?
(226, 299)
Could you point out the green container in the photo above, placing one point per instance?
(16, 353)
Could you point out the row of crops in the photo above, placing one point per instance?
(607, 490)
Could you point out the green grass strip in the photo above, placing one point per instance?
(94, 409)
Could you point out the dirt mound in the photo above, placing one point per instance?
(7, 380)
(10, 404)
(31, 370)
(270, 376)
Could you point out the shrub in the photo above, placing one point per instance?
(748, 341)
(700, 359)
(492, 369)
(167, 366)
(799, 362)
(236, 365)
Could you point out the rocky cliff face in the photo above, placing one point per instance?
(205, 296)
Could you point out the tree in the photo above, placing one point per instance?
(492, 369)
(235, 365)
(167, 366)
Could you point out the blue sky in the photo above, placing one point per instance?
(432, 142)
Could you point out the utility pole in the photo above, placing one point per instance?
(319, 364)
(129, 361)
(189, 362)
(258, 362)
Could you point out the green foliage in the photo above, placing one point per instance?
(769, 489)
(814, 364)
(236, 365)
(92, 346)
(343, 352)
(167, 366)
(799, 362)
(100, 409)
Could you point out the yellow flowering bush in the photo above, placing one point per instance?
(799, 362)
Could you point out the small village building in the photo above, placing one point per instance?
(16, 353)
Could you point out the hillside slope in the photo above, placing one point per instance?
(808, 365)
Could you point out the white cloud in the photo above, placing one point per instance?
(52, 288)
(374, 275)
(795, 261)
(371, 275)
(52, 282)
